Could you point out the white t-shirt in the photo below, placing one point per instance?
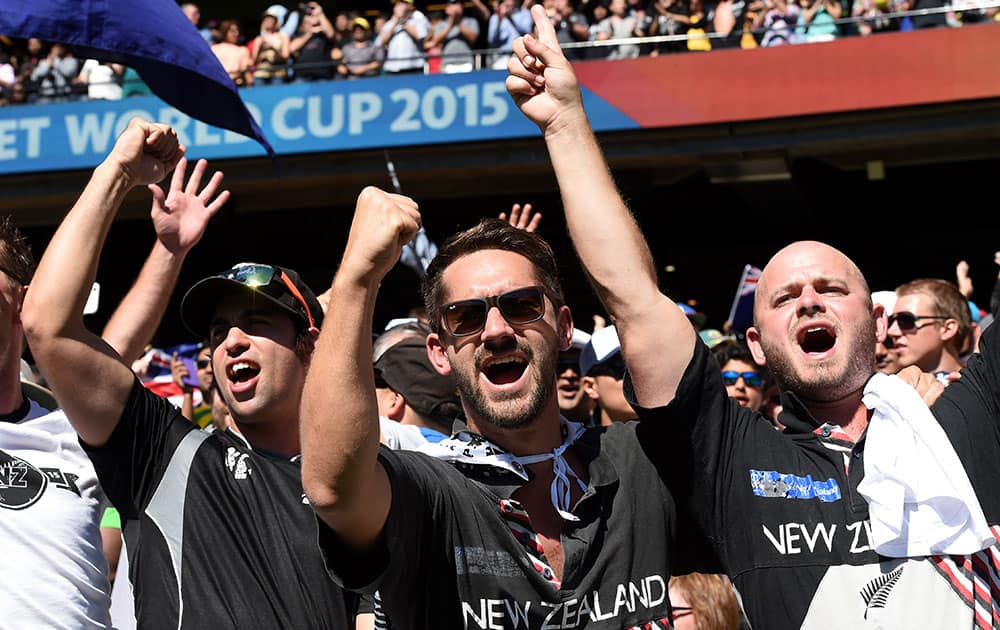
(53, 573)
(398, 436)
(102, 82)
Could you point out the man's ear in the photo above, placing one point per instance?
(438, 355)
(753, 342)
(392, 405)
(589, 385)
(564, 326)
(305, 345)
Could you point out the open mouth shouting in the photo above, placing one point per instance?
(817, 340)
(242, 375)
(505, 372)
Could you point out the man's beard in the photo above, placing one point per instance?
(826, 383)
(512, 413)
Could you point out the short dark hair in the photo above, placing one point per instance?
(491, 233)
(16, 259)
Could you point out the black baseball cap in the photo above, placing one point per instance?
(406, 368)
(280, 286)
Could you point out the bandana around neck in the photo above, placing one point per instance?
(466, 447)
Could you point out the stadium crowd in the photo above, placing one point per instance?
(303, 43)
(487, 461)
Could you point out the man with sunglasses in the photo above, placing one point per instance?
(522, 518)
(215, 523)
(867, 511)
(930, 327)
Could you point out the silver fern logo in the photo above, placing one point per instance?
(876, 593)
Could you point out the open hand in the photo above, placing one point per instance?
(522, 218)
(181, 215)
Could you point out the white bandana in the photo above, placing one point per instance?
(466, 447)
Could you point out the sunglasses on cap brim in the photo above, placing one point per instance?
(254, 275)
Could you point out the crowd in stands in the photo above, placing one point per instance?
(482, 462)
(304, 43)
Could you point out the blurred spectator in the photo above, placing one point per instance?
(778, 19)
(7, 75)
(870, 14)
(930, 20)
(313, 49)
(288, 21)
(817, 21)
(342, 27)
(930, 326)
(597, 13)
(361, 57)
(235, 57)
(620, 25)
(54, 75)
(574, 403)
(410, 391)
(456, 35)
(200, 414)
(885, 358)
(403, 39)
(662, 19)
(702, 601)
(603, 370)
(745, 381)
(193, 14)
(103, 80)
(271, 50)
(507, 23)
(697, 27)
(571, 26)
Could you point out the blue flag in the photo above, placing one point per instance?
(741, 312)
(152, 36)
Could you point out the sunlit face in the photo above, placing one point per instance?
(815, 327)
(506, 373)
(745, 395)
(255, 362)
(923, 345)
(11, 333)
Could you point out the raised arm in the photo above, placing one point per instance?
(85, 373)
(657, 339)
(341, 475)
(180, 217)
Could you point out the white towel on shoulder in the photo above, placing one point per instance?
(920, 500)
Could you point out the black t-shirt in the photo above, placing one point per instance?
(783, 514)
(313, 60)
(217, 533)
(450, 558)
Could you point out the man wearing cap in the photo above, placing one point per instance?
(216, 524)
(410, 391)
(603, 369)
(403, 39)
(361, 56)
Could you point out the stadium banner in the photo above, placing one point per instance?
(296, 118)
(676, 90)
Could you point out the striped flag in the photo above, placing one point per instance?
(152, 36)
(741, 312)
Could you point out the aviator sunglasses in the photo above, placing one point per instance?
(255, 275)
(518, 307)
(908, 321)
(750, 379)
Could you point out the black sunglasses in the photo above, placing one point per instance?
(518, 307)
(255, 275)
(908, 321)
(203, 363)
(750, 379)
